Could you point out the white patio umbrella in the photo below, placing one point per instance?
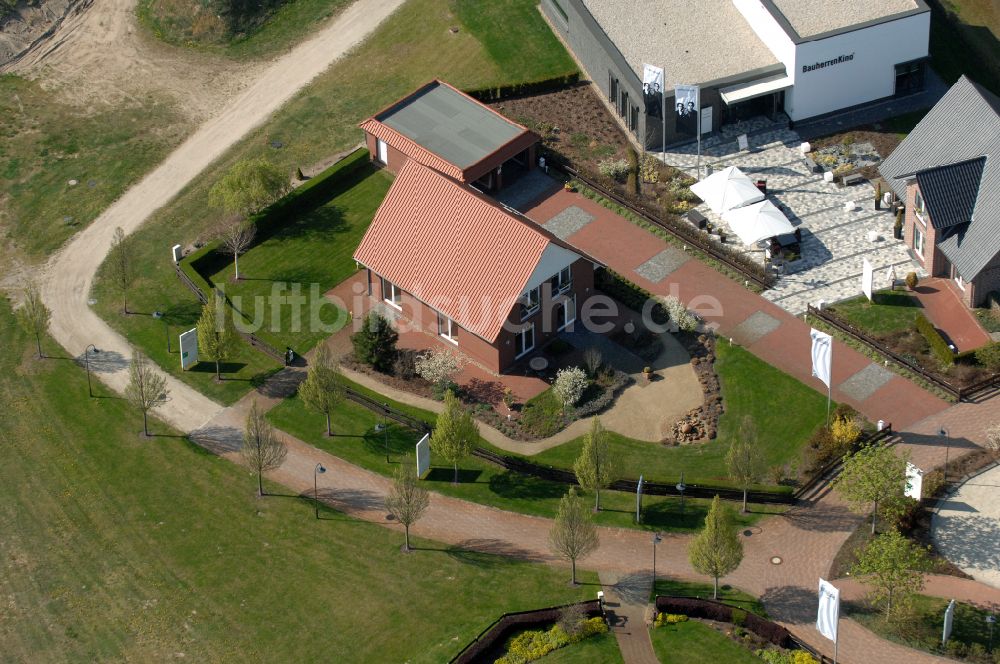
(757, 222)
(727, 189)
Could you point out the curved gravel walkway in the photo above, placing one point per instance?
(966, 527)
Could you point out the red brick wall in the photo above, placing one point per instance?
(931, 259)
(396, 157)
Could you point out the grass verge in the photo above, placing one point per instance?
(727, 594)
(699, 643)
(116, 548)
(597, 649)
(891, 311)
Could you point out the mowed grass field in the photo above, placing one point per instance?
(413, 46)
(45, 143)
(118, 548)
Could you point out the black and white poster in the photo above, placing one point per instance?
(686, 105)
(652, 90)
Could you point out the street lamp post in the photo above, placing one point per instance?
(656, 540)
(383, 426)
(319, 470)
(680, 489)
(86, 360)
(991, 620)
(158, 315)
(947, 451)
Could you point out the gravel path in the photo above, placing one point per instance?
(69, 275)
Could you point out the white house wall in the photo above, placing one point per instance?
(553, 259)
(769, 32)
(869, 75)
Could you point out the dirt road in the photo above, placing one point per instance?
(69, 275)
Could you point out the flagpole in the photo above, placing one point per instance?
(663, 112)
(699, 133)
(829, 398)
(836, 641)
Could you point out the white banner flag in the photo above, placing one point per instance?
(914, 481)
(652, 90)
(829, 610)
(822, 352)
(867, 276)
(949, 618)
(687, 103)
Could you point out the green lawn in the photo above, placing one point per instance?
(693, 642)
(966, 42)
(727, 594)
(411, 47)
(597, 649)
(923, 630)
(195, 23)
(891, 311)
(116, 548)
(45, 143)
(311, 255)
(479, 481)
(741, 374)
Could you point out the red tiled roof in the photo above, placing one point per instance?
(453, 248)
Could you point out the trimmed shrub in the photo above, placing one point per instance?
(524, 89)
(937, 343)
(669, 619)
(989, 356)
(628, 293)
(911, 280)
(375, 343)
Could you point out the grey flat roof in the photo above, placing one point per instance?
(694, 42)
(450, 125)
(810, 18)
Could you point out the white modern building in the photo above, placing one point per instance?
(805, 58)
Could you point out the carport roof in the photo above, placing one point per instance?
(450, 124)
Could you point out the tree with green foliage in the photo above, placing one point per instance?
(33, 315)
(455, 432)
(262, 449)
(744, 458)
(596, 467)
(874, 475)
(573, 535)
(407, 500)
(248, 187)
(146, 388)
(120, 267)
(375, 343)
(894, 567)
(217, 338)
(716, 550)
(323, 388)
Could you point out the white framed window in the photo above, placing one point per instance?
(391, 293)
(918, 206)
(447, 328)
(918, 239)
(566, 312)
(562, 281)
(381, 151)
(524, 341)
(530, 301)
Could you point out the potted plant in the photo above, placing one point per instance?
(911, 280)
(569, 186)
(647, 373)
(722, 235)
(897, 228)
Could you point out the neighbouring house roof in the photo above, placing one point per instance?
(449, 131)
(810, 18)
(957, 142)
(950, 192)
(453, 248)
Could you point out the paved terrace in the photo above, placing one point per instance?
(834, 241)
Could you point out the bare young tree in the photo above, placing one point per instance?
(146, 387)
(744, 458)
(323, 389)
(573, 535)
(237, 235)
(33, 315)
(120, 268)
(407, 501)
(262, 450)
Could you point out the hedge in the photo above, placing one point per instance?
(712, 610)
(491, 94)
(937, 343)
(630, 294)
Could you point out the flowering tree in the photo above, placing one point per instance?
(438, 367)
(570, 384)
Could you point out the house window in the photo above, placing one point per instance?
(447, 328)
(633, 119)
(918, 205)
(562, 281)
(391, 293)
(918, 240)
(524, 341)
(909, 78)
(612, 87)
(530, 302)
(566, 312)
(623, 104)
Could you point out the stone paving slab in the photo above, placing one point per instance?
(866, 382)
(662, 264)
(755, 328)
(569, 221)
